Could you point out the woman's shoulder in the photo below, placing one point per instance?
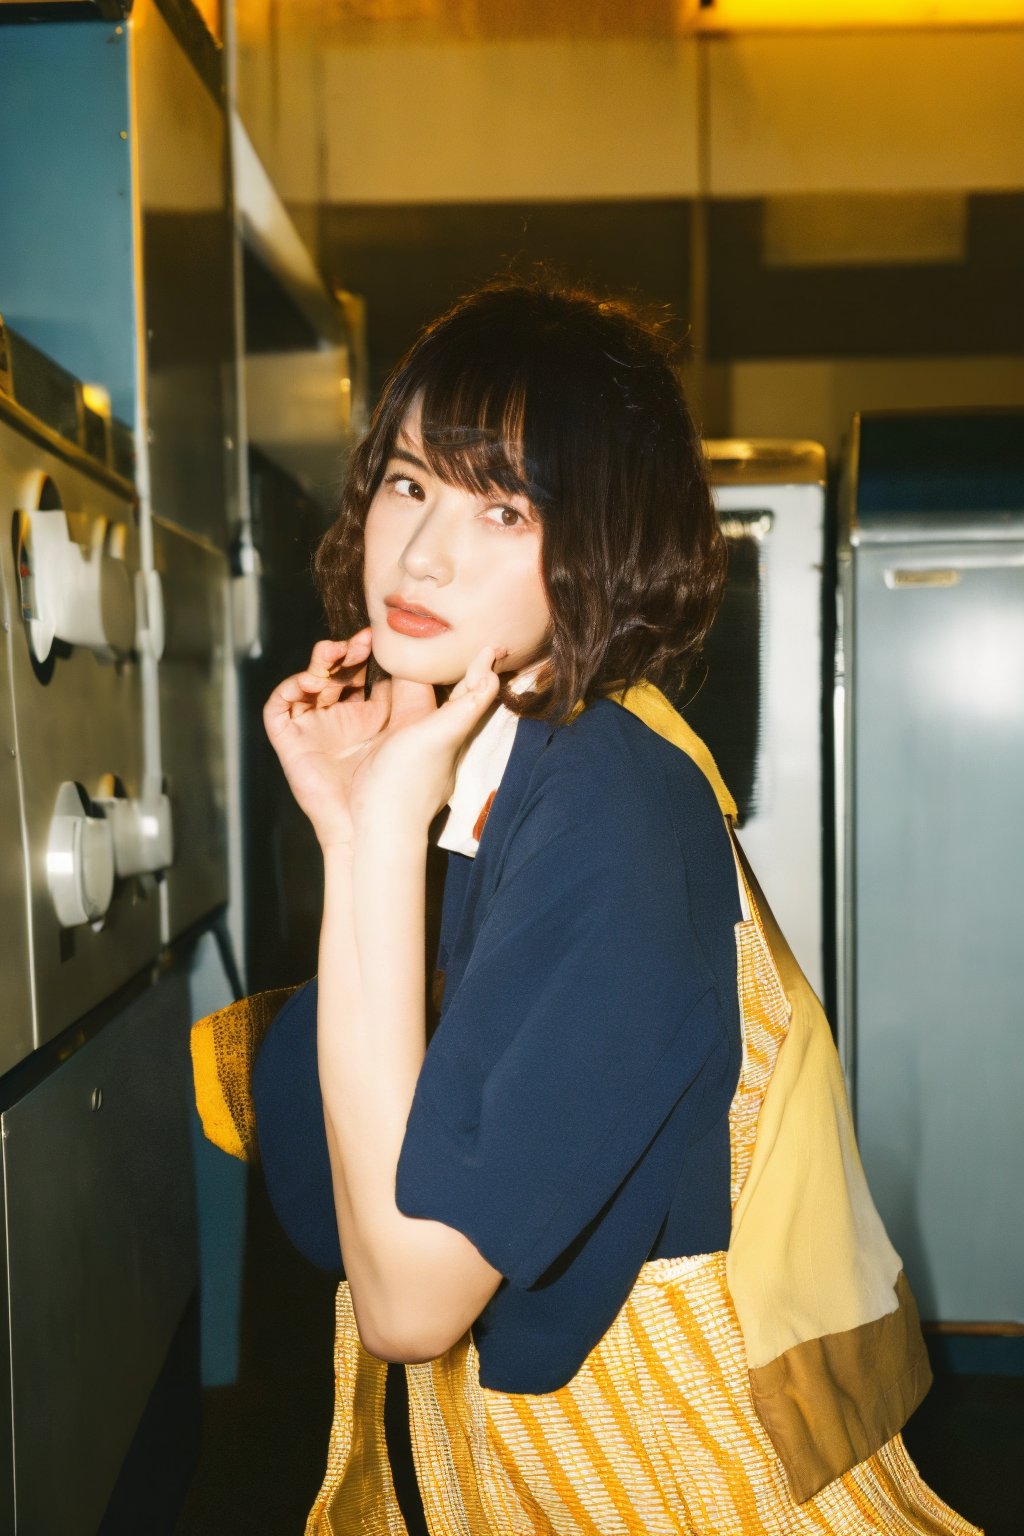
(604, 791)
(607, 755)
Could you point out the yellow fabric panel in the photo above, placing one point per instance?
(224, 1046)
(808, 1255)
(764, 1012)
(217, 1120)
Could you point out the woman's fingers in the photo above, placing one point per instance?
(478, 675)
(471, 697)
(337, 661)
(334, 666)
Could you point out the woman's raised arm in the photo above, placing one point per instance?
(416, 1285)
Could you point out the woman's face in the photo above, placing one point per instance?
(448, 571)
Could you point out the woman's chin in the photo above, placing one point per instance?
(416, 660)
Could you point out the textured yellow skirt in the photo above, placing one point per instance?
(656, 1434)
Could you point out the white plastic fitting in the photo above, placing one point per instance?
(141, 830)
(79, 859)
(81, 596)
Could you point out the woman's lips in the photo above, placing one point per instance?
(419, 623)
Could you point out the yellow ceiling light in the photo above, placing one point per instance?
(788, 15)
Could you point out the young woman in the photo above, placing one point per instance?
(610, 1215)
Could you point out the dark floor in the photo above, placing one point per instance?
(265, 1440)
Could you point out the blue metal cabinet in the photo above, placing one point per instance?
(931, 696)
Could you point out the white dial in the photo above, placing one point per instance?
(79, 859)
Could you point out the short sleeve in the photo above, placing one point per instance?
(291, 1131)
(585, 1014)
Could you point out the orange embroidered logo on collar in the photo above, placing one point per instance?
(479, 824)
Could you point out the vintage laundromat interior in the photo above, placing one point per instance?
(221, 224)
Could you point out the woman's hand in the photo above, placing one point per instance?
(388, 759)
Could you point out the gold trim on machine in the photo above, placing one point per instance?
(766, 461)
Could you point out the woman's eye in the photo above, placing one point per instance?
(405, 485)
(504, 517)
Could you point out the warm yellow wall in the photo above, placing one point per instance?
(457, 118)
(280, 100)
(923, 110)
(460, 122)
(452, 120)
(816, 399)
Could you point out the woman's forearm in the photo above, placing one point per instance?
(370, 1048)
(416, 1285)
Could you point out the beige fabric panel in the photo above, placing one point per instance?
(805, 1213)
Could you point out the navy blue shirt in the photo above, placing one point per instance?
(571, 1115)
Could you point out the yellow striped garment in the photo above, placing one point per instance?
(667, 1429)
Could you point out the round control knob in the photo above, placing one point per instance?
(83, 596)
(79, 859)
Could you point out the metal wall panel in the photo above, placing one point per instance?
(78, 718)
(194, 576)
(66, 266)
(939, 1073)
(101, 1242)
(930, 710)
(16, 1032)
(187, 263)
(284, 881)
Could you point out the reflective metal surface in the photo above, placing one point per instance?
(284, 886)
(121, 258)
(766, 461)
(116, 259)
(194, 577)
(78, 718)
(186, 257)
(100, 1255)
(932, 823)
(66, 244)
(16, 1034)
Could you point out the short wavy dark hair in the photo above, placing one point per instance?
(538, 387)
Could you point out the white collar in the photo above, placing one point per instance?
(478, 773)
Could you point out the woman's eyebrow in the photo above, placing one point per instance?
(409, 458)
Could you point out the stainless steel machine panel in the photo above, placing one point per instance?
(938, 1070)
(101, 1254)
(78, 719)
(194, 577)
(930, 701)
(187, 267)
(16, 1035)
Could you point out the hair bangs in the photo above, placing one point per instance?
(472, 428)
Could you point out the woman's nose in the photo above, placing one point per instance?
(428, 554)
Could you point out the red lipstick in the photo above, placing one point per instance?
(412, 619)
